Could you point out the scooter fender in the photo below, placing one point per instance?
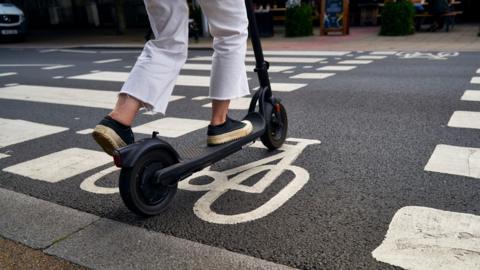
(127, 157)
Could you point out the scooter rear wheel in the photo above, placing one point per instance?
(277, 126)
(137, 188)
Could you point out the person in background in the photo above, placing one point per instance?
(437, 8)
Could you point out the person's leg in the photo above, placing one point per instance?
(151, 81)
(229, 27)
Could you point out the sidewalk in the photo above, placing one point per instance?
(461, 38)
(55, 235)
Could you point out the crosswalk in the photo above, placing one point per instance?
(454, 159)
(74, 161)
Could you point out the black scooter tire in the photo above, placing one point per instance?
(137, 190)
(277, 127)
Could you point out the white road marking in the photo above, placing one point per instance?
(57, 77)
(48, 50)
(355, 62)
(171, 127)
(465, 119)
(8, 74)
(475, 80)
(182, 80)
(127, 66)
(89, 184)
(303, 53)
(455, 160)
(324, 62)
(11, 84)
(107, 61)
(121, 51)
(25, 65)
(57, 67)
(288, 72)
(336, 68)
(235, 104)
(308, 60)
(383, 53)
(249, 68)
(478, 71)
(371, 57)
(233, 180)
(61, 165)
(471, 95)
(316, 76)
(421, 238)
(64, 96)
(3, 155)
(200, 98)
(17, 131)
(85, 131)
(307, 67)
(78, 51)
(286, 87)
(95, 71)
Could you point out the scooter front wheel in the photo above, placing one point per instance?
(137, 188)
(277, 126)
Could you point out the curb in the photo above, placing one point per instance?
(101, 243)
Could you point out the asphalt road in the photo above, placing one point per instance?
(378, 124)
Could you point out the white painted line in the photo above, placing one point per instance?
(286, 87)
(471, 95)
(8, 74)
(427, 238)
(336, 68)
(57, 77)
(455, 160)
(57, 67)
(48, 50)
(324, 62)
(316, 76)
(127, 66)
(64, 96)
(478, 71)
(11, 84)
(107, 61)
(17, 131)
(371, 57)
(121, 51)
(182, 80)
(338, 58)
(475, 80)
(95, 71)
(25, 65)
(350, 55)
(235, 104)
(208, 67)
(355, 62)
(200, 98)
(465, 119)
(307, 67)
(171, 127)
(383, 53)
(288, 72)
(61, 165)
(85, 131)
(307, 60)
(78, 51)
(304, 53)
(3, 155)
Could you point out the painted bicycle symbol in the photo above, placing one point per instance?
(430, 56)
(221, 184)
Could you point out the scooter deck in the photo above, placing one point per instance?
(195, 158)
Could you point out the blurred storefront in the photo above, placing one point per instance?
(101, 13)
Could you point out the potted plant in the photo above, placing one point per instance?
(298, 19)
(398, 18)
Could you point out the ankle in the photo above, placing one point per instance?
(121, 120)
(217, 121)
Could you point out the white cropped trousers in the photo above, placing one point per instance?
(153, 77)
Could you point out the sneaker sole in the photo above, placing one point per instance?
(230, 136)
(108, 139)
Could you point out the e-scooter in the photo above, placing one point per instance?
(151, 168)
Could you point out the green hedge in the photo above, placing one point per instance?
(298, 21)
(398, 18)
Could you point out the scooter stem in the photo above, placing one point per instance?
(261, 65)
